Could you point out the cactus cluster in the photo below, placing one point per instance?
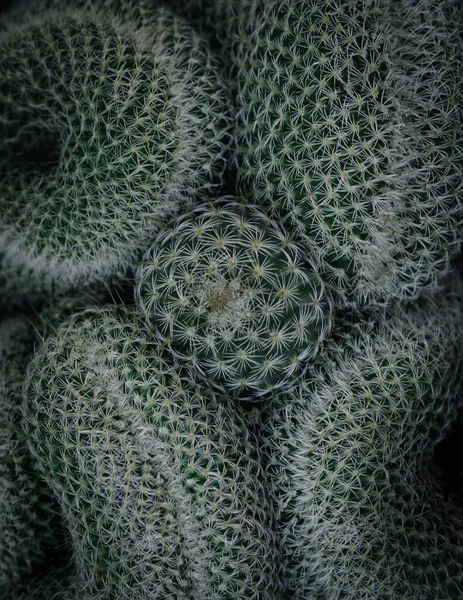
(357, 138)
(107, 127)
(225, 287)
(359, 501)
(349, 124)
(256, 414)
(157, 476)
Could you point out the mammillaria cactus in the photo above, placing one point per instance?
(28, 515)
(360, 507)
(130, 117)
(157, 476)
(225, 287)
(349, 124)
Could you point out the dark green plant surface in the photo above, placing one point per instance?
(131, 121)
(361, 509)
(157, 476)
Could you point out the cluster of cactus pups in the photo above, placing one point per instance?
(232, 319)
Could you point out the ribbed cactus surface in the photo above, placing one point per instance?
(157, 476)
(359, 501)
(108, 126)
(225, 287)
(349, 124)
(27, 511)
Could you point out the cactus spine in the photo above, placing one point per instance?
(28, 514)
(355, 142)
(225, 287)
(135, 117)
(157, 476)
(361, 510)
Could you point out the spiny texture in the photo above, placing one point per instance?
(55, 584)
(360, 505)
(158, 477)
(108, 126)
(27, 512)
(225, 287)
(349, 125)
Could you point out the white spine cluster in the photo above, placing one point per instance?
(225, 286)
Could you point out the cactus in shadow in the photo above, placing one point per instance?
(157, 476)
(110, 124)
(52, 584)
(225, 287)
(29, 519)
(361, 509)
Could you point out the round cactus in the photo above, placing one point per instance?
(360, 504)
(224, 286)
(109, 125)
(29, 519)
(349, 125)
(158, 477)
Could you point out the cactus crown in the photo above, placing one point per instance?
(158, 477)
(224, 285)
(137, 121)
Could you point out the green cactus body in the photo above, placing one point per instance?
(28, 515)
(360, 505)
(349, 126)
(108, 127)
(224, 286)
(158, 477)
(54, 584)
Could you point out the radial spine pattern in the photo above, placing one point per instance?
(225, 287)
(158, 477)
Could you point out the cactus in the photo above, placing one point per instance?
(109, 126)
(349, 125)
(54, 584)
(157, 476)
(29, 519)
(224, 287)
(360, 505)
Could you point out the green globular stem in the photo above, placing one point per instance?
(112, 121)
(225, 288)
(157, 475)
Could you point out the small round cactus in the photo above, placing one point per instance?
(28, 515)
(225, 287)
(360, 506)
(349, 125)
(108, 126)
(158, 477)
